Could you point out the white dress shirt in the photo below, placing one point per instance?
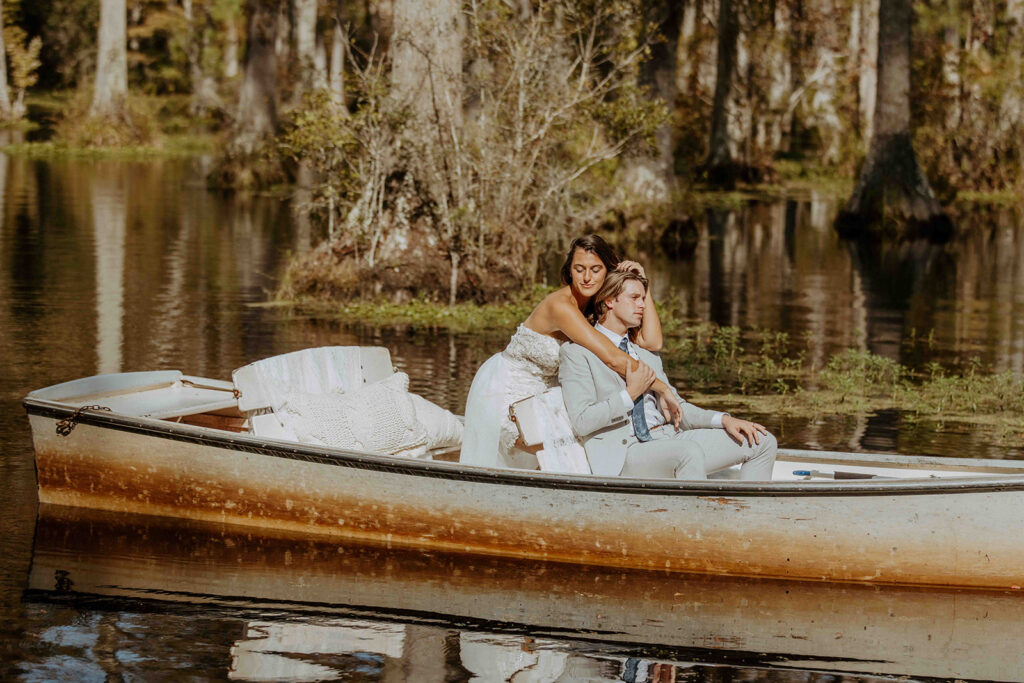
(652, 410)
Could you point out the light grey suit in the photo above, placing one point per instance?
(592, 393)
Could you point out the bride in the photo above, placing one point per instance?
(529, 364)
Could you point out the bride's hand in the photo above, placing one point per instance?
(670, 407)
(631, 265)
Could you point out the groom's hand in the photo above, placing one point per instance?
(639, 380)
(671, 408)
(743, 431)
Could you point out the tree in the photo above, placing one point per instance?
(720, 168)
(245, 163)
(24, 58)
(5, 97)
(304, 12)
(426, 59)
(256, 118)
(111, 85)
(893, 196)
(336, 68)
(652, 176)
(426, 78)
(204, 86)
(553, 105)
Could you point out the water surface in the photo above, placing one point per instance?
(109, 266)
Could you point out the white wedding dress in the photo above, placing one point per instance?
(528, 366)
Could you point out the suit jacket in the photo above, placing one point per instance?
(592, 394)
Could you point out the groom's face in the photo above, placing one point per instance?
(629, 305)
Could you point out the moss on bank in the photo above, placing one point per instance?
(424, 315)
(152, 126)
(171, 146)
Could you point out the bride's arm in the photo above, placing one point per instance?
(572, 324)
(649, 335)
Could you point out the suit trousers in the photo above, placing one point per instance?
(696, 453)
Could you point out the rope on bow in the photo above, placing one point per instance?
(67, 425)
(195, 385)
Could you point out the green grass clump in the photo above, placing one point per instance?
(424, 314)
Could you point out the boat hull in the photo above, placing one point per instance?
(948, 533)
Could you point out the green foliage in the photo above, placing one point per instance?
(24, 57)
(427, 315)
(968, 96)
(136, 124)
(23, 61)
(555, 104)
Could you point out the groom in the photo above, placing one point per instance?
(620, 423)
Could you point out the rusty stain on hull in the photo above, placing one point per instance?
(734, 502)
(142, 474)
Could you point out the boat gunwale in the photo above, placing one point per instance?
(339, 457)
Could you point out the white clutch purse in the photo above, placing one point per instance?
(543, 420)
(526, 414)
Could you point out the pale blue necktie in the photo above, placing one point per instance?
(639, 419)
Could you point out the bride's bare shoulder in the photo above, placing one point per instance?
(545, 316)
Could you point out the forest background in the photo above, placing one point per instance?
(483, 135)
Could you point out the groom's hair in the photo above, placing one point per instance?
(613, 285)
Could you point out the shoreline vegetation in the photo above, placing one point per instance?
(754, 371)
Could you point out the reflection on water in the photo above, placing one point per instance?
(283, 608)
(117, 266)
(779, 265)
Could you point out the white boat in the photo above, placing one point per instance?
(162, 443)
(324, 592)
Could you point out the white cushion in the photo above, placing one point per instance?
(269, 425)
(318, 370)
(377, 417)
(444, 430)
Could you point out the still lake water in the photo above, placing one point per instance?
(110, 266)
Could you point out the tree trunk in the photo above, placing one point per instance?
(720, 168)
(773, 127)
(204, 87)
(951, 66)
(426, 60)
(257, 101)
(867, 66)
(320, 65)
(336, 72)
(5, 95)
(304, 12)
(687, 54)
(231, 50)
(741, 102)
(652, 178)
(1012, 105)
(827, 90)
(111, 59)
(893, 197)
